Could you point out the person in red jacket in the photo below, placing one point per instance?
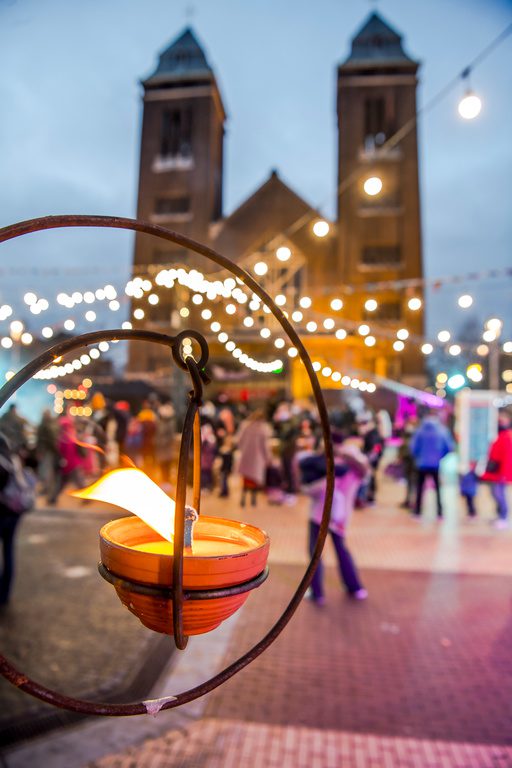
(499, 468)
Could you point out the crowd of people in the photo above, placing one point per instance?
(275, 450)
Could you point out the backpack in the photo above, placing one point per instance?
(19, 493)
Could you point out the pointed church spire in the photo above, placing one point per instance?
(184, 59)
(377, 42)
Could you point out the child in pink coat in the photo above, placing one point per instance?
(351, 467)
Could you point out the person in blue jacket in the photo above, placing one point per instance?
(430, 443)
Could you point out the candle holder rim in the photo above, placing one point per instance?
(105, 536)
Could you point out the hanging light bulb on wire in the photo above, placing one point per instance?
(470, 105)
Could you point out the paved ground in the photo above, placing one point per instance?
(64, 626)
(418, 675)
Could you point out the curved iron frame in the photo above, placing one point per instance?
(191, 427)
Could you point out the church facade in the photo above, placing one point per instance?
(374, 242)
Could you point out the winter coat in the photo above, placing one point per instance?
(430, 443)
(70, 453)
(254, 451)
(500, 455)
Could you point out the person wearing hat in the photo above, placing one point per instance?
(351, 467)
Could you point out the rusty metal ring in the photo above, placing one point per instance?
(176, 350)
(118, 710)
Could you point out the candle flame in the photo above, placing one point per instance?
(133, 490)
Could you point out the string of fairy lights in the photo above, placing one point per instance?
(239, 302)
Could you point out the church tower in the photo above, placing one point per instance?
(180, 177)
(379, 236)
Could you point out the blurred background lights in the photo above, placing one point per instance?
(30, 298)
(414, 304)
(456, 381)
(329, 323)
(260, 268)
(305, 302)
(465, 301)
(427, 349)
(370, 305)
(297, 316)
(364, 329)
(69, 325)
(372, 186)
(507, 347)
(265, 333)
(321, 228)
(454, 350)
(398, 345)
(470, 106)
(280, 299)
(311, 326)
(341, 334)
(336, 305)
(283, 254)
(370, 341)
(402, 334)
(248, 322)
(444, 336)
(482, 350)
(494, 324)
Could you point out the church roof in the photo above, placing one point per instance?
(377, 42)
(184, 59)
(273, 209)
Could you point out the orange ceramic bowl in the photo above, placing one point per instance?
(118, 538)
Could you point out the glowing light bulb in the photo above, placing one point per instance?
(206, 314)
(69, 325)
(336, 305)
(265, 333)
(414, 304)
(398, 346)
(370, 341)
(297, 316)
(279, 343)
(138, 313)
(283, 253)
(26, 338)
(454, 350)
(215, 327)
(292, 352)
(372, 186)
(427, 349)
(489, 336)
(329, 323)
(184, 312)
(465, 301)
(223, 337)
(321, 228)
(316, 366)
(127, 326)
(507, 347)
(280, 300)
(370, 305)
(196, 298)
(470, 106)
(7, 342)
(482, 350)
(341, 334)
(47, 332)
(363, 329)
(326, 371)
(311, 326)
(402, 334)
(114, 305)
(305, 302)
(231, 309)
(260, 268)
(248, 322)
(30, 298)
(444, 336)
(494, 324)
